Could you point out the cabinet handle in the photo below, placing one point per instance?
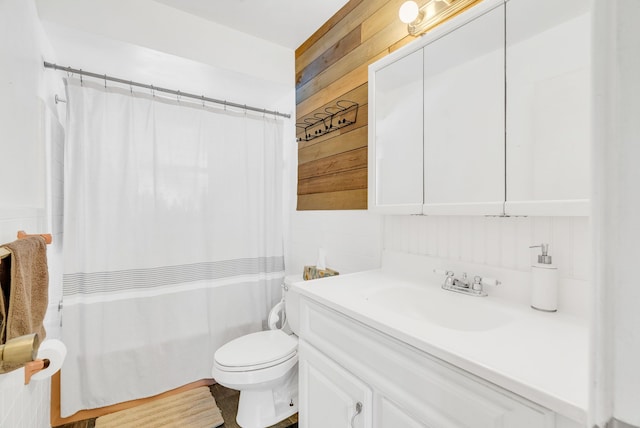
(358, 411)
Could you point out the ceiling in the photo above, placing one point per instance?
(284, 22)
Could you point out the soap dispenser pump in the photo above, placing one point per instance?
(544, 282)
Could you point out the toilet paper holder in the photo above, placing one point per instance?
(34, 367)
(21, 350)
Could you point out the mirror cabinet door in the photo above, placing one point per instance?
(395, 153)
(548, 107)
(464, 139)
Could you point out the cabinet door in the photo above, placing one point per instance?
(390, 415)
(395, 135)
(548, 107)
(464, 138)
(329, 395)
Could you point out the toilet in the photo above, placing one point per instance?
(263, 366)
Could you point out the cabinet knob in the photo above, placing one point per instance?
(358, 411)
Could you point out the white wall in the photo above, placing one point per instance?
(159, 27)
(615, 332)
(28, 172)
(95, 53)
(352, 240)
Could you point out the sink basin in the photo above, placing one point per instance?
(441, 307)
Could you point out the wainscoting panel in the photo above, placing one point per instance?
(501, 242)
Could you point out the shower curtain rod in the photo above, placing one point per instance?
(165, 90)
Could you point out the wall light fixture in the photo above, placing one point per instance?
(422, 18)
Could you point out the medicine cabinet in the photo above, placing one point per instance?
(487, 114)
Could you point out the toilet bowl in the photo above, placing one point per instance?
(263, 366)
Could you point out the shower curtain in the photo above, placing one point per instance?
(172, 240)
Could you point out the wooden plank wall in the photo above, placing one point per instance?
(333, 65)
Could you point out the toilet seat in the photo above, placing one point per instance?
(256, 351)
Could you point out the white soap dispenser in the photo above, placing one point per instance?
(544, 282)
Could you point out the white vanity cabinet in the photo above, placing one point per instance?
(395, 154)
(548, 107)
(389, 414)
(464, 135)
(333, 396)
(343, 362)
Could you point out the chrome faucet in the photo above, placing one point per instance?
(463, 285)
(461, 282)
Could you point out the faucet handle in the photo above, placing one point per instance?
(490, 281)
(478, 282)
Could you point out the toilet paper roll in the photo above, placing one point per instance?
(55, 351)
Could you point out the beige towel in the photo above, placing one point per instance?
(27, 293)
(5, 281)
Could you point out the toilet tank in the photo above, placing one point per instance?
(292, 303)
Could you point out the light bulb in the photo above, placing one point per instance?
(408, 12)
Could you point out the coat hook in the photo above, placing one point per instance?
(105, 81)
(203, 106)
(178, 96)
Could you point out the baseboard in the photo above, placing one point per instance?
(82, 415)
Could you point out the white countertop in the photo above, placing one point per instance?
(540, 356)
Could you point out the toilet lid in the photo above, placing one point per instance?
(257, 349)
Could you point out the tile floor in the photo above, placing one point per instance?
(227, 400)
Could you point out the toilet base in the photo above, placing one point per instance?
(260, 408)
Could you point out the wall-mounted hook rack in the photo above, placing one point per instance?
(342, 113)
